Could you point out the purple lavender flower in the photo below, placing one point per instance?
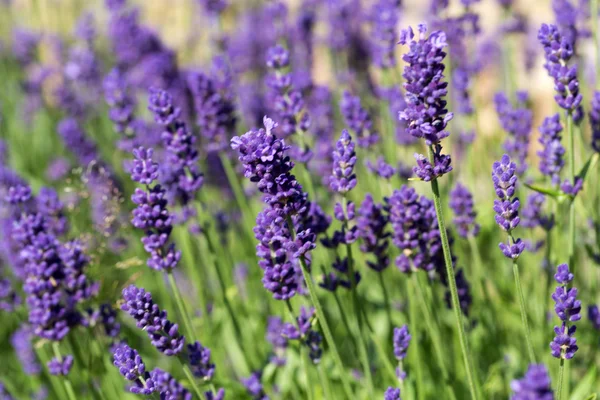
(75, 140)
(415, 230)
(274, 336)
(200, 362)
(568, 309)
(9, 299)
(358, 119)
(254, 387)
(534, 385)
(343, 178)
(552, 152)
(572, 190)
(214, 107)
(108, 318)
(391, 394)
(21, 343)
(152, 214)
(517, 121)
(24, 45)
(401, 341)
(213, 7)
(558, 48)
(381, 168)
(594, 115)
(220, 395)
(464, 292)
(163, 334)
(425, 111)
(122, 104)
(60, 367)
(372, 223)
(532, 214)
(302, 331)
(168, 387)
(461, 202)
(461, 83)
(594, 316)
(507, 208)
(180, 170)
(384, 19)
(132, 367)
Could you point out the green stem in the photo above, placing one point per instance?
(386, 298)
(325, 327)
(571, 243)
(523, 312)
(344, 318)
(188, 260)
(416, 348)
(464, 345)
(383, 356)
(477, 266)
(561, 375)
(190, 377)
(303, 354)
(324, 383)
(181, 306)
(65, 379)
(238, 193)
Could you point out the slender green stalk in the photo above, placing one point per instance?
(192, 379)
(477, 266)
(384, 357)
(416, 348)
(187, 323)
(324, 383)
(523, 312)
(561, 375)
(326, 330)
(464, 345)
(303, 354)
(345, 319)
(434, 329)
(571, 242)
(386, 298)
(65, 379)
(188, 260)
(238, 193)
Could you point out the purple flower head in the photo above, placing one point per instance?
(200, 361)
(163, 334)
(60, 367)
(391, 394)
(425, 112)
(77, 142)
(594, 316)
(381, 168)
(23, 347)
(108, 318)
(214, 107)
(24, 45)
(572, 190)
(427, 172)
(461, 202)
(132, 367)
(384, 19)
(168, 387)
(254, 386)
(372, 222)
(594, 115)
(414, 230)
(9, 299)
(144, 170)
(122, 104)
(552, 152)
(358, 120)
(532, 214)
(535, 385)
(568, 309)
(275, 337)
(18, 194)
(558, 49)
(517, 122)
(220, 395)
(401, 341)
(213, 7)
(461, 82)
(343, 178)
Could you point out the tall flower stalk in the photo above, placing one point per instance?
(427, 116)
(507, 217)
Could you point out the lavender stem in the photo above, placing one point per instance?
(181, 306)
(561, 374)
(571, 247)
(477, 266)
(523, 312)
(464, 345)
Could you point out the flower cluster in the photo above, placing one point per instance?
(594, 115)
(384, 19)
(517, 121)
(152, 214)
(534, 385)
(284, 237)
(303, 331)
(567, 308)
(254, 387)
(552, 152)
(371, 226)
(214, 105)
(507, 207)
(401, 341)
(594, 316)
(132, 367)
(558, 49)
(163, 334)
(392, 394)
(60, 366)
(179, 173)
(358, 119)
(461, 202)
(425, 112)
(122, 104)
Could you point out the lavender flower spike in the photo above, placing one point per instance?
(425, 113)
(552, 152)
(343, 178)
(150, 318)
(594, 115)
(392, 394)
(507, 208)
(132, 367)
(461, 202)
(568, 309)
(535, 385)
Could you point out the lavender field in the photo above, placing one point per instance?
(299, 199)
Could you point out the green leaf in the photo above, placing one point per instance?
(556, 194)
(586, 385)
(588, 165)
(591, 396)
